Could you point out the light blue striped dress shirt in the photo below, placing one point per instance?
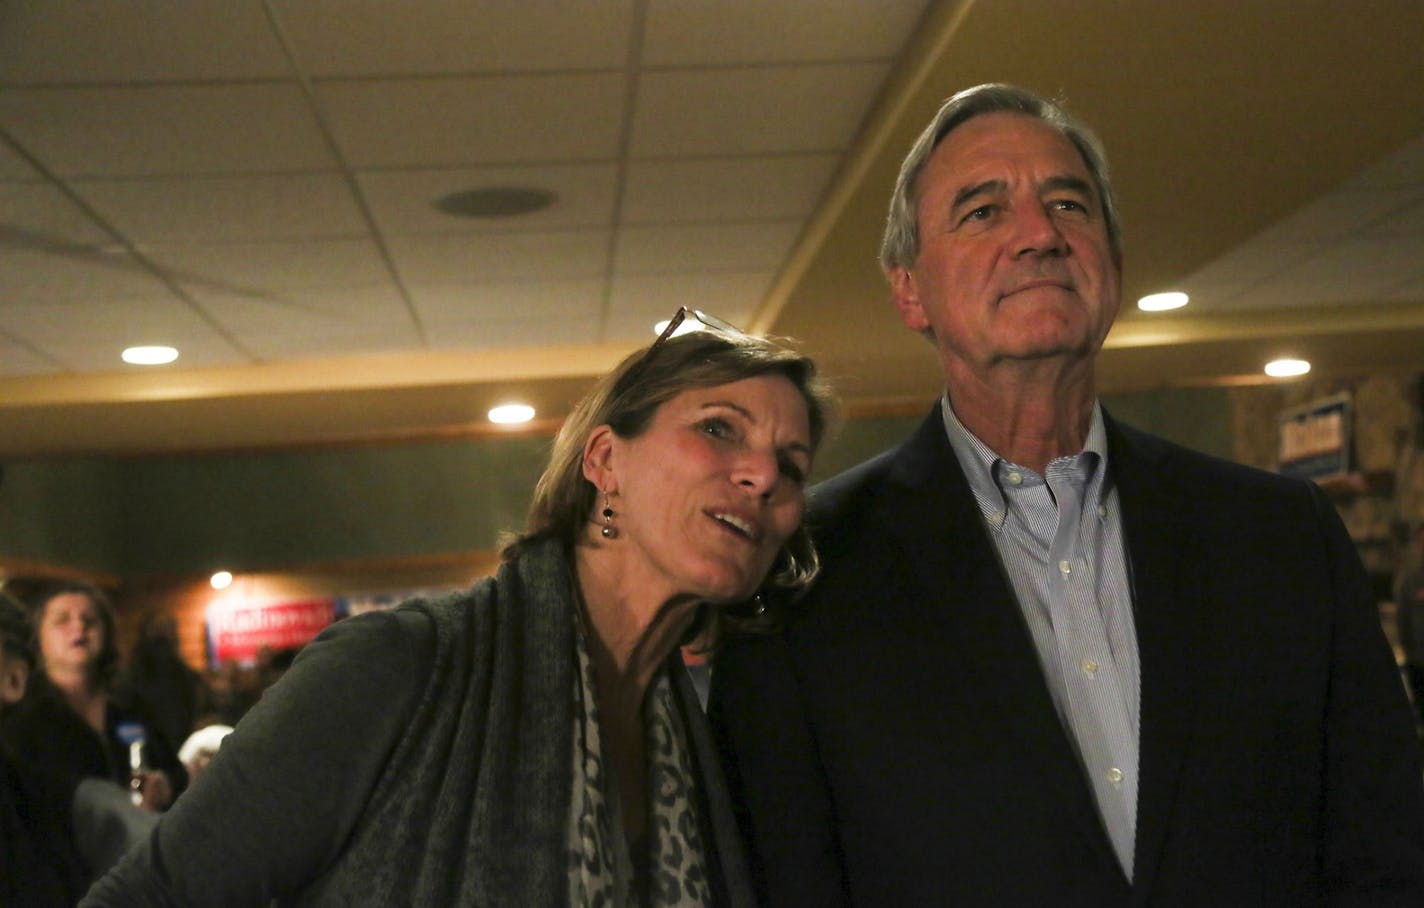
(1059, 538)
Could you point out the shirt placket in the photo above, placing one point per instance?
(1090, 673)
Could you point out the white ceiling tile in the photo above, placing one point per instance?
(1251, 263)
(27, 276)
(1408, 220)
(516, 333)
(402, 202)
(638, 302)
(288, 265)
(1405, 167)
(486, 257)
(1333, 216)
(536, 301)
(116, 323)
(50, 219)
(59, 41)
(455, 36)
(454, 121)
(218, 209)
(673, 192)
(753, 110)
(710, 247)
(686, 32)
(14, 167)
(1352, 272)
(166, 130)
(1367, 264)
(17, 359)
(345, 340)
(1409, 290)
(307, 311)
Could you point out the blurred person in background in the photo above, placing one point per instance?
(534, 740)
(1409, 600)
(174, 693)
(73, 720)
(39, 866)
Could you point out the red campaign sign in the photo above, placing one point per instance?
(239, 630)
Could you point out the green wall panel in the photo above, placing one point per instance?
(61, 512)
(266, 510)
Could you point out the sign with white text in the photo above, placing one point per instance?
(1315, 438)
(239, 630)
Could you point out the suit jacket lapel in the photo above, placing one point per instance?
(1172, 627)
(940, 531)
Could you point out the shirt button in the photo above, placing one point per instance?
(996, 518)
(1065, 567)
(1102, 510)
(1114, 775)
(1089, 667)
(1015, 478)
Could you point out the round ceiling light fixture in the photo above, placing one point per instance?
(495, 202)
(1162, 302)
(1287, 368)
(149, 356)
(511, 414)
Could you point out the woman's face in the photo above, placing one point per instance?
(71, 632)
(707, 495)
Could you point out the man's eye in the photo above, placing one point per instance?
(1072, 205)
(982, 213)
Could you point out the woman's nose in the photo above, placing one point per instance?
(757, 471)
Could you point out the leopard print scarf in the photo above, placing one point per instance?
(601, 870)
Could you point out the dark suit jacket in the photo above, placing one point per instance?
(897, 745)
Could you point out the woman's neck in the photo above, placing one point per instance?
(632, 629)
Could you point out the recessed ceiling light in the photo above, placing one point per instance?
(1287, 368)
(1161, 302)
(221, 580)
(149, 356)
(495, 201)
(510, 414)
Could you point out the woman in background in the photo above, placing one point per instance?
(39, 866)
(72, 721)
(535, 740)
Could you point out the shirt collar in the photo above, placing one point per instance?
(978, 460)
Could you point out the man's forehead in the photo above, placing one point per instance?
(983, 145)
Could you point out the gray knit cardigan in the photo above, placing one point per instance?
(420, 756)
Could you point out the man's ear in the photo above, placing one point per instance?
(907, 298)
(14, 673)
(598, 459)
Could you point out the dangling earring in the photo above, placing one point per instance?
(609, 531)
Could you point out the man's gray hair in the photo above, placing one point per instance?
(901, 244)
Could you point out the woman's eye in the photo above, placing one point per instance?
(716, 427)
(793, 472)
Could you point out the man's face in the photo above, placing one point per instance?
(1014, 261)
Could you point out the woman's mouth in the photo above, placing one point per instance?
(737, 524)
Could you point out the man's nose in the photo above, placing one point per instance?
(1036, 232)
